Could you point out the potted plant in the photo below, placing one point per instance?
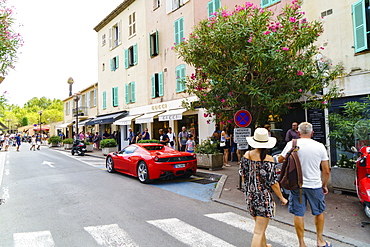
(208, 156)
(108, 146)
(54, 141)
(68, 142)
(89, 146)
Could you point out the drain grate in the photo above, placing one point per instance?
(203, 181)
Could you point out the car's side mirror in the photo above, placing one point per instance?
(354, 149)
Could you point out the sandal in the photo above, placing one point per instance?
(227, 165)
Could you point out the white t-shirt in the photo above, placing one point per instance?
(310, 154)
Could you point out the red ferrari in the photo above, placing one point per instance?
(149, 161)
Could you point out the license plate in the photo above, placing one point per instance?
(180, 166)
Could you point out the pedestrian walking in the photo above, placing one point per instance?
(183, 138)
(313, 157)
(97, 140)
(131, 136)
(18, 141)
(225, 145)
(172, 137)
(190, 144)
(33, 143)
(292, 133)
(38, 141)
(260, 179)
(6, 142)
(163, 138)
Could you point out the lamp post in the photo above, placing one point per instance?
(76, 97)
(40, 113)
(70, 82)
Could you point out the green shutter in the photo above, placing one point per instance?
(150, 45)
(183, 77)
(126, 59)
(217, 4)
(265, 3)
(160, 84)
(178, 76)
(153, 86)
(275, 1)
(211, 9)
(156, 42)
(117, 65)
(177, 32)
(133, 98)
(359, 25)
(111, 65)
(135, 53)
(115, 96)
(127, 94)
(104, 100)
(181, 29)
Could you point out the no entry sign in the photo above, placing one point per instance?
(242, 118)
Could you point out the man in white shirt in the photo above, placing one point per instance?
(172, 138)
(312, 155)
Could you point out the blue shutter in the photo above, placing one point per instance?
(275, 1)
(181, 29)
(117, 65)
(153, 86)
(126, 59)
(177, 32)
(178, 75)
(150, 45)
(359, 25)
(156, 42)
(211, 10)
(160, 84)
(217, 4)
(104, 100)
(183, 77)
(265, 3)
(115, 96)
(111, 65)
(135, 53)
(127, 95)
(133, 98)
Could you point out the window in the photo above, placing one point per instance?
(103, 40)
(156, 4)
(130, 92)
(157, 85)
(266, 3)
(104, 100)
(153, 44)
(180, 78)
(131, 25)
(213, 6)
(67, 109)
(115, 96)
(131, 56)
(172, 5)
(115, 35)
(92, 98)
(361, 25)
(114, 63)
(179, 30)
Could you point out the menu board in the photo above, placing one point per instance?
(317, 118)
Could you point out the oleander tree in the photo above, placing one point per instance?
(254, 59)
(10, 41)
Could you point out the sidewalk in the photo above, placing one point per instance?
(343, 213)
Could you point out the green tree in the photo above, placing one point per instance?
(253, 59)
(10, 41)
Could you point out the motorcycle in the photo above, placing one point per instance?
(78, 147)
(362, 180)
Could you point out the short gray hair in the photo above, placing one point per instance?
(305, 128)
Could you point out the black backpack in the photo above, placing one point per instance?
(291, 177)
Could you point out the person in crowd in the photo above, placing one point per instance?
(96, 140)
(316, 172)
(131, 136)
(268, 127)
(225, 145)
(163, 137)
(2, 136)
(38, 141)
(171, 135)
(292, 133)
(145, 135)
(6, 142)
(260, 179)
(106, 135)
(33, 143)
(190, 144)
(81, 136)
(183, 138)
(138, 137)
(233, 146)
(193, 131)
(18, 140)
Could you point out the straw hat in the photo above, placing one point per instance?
(261, 139)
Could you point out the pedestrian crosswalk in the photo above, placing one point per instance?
(88, 160)
(189, 235)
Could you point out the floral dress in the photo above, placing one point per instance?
(258, 178)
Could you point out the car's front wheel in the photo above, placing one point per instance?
(110, 164)
(143, 173)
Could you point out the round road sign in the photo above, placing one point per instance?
(242, 118)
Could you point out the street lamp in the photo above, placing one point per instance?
(40, 113)
(76, 97)
(70, 82)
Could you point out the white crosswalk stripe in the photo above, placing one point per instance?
(188, 234)
(33, 239)
(277, 235)
(91, 161)
(110, 235)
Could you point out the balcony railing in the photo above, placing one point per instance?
(82, 111)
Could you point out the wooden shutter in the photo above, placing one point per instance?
(134, 48)
(156, 42)
(178, 75)
(182, 77)
(150, 45)
(111, 65)
(133, 98)
(217, 4)
(265, 3)
(177, 35)
(110, 38)
(181, 29)
(115, 96)
(119, 38)
(126, 59)
(359, 25)
(104, 100)
(127, 94)
(210, 8)
(117, 65)
(153, 86)
(160, 84)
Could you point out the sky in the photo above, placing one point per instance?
(59, 42)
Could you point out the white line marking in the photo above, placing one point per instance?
(110, 235)
(188, 234)
(277, 235)
(33, 239)
(7, 172)
(48, 163)
(2, 161)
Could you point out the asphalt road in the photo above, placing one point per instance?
(54, 199)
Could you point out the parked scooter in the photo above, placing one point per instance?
(78, 147)
(362, 142)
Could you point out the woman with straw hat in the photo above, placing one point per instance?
(260, 179)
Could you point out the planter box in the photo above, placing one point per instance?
(68, 146)
(54, 145)
(109, 150)
(343, 179)
(89, 148)
(210, 161)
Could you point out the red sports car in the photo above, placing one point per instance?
(149, 161)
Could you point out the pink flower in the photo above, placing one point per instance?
(300, 72)
(267, 32)
(205, 94)
(324, 102)
(292, 19)
(285, 48)
(300, 90)
(250, 39)
(321, 48)
(223, 100)
(172, 48)
(229, 121)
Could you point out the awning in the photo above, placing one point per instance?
(110, 118)
(83, 122)
(126, 120)
(65, 125)
(147, 117)
(171, 115)
(42, 128)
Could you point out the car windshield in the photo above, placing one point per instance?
(151, 148)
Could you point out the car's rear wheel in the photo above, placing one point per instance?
(143, 173)
(110, 164)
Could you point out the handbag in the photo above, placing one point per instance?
(222, 144)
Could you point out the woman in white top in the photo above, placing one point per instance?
(6, 142)
(172, 138)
